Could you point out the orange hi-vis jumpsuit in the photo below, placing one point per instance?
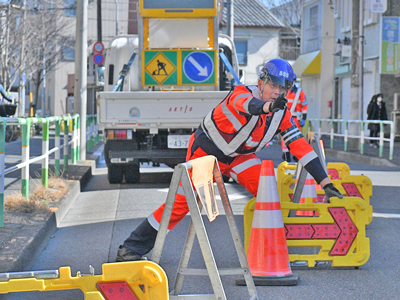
(299, 112)
(232, 132)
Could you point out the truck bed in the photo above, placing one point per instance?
(156, 109)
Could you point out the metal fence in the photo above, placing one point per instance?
(342, 129)
(69, 125)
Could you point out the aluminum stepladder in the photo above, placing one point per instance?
(302, 172)
(181, 174)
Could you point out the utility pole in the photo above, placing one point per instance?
(355, 72)
(230, 18)
(80, 89)
(99, 28)
(361, 65)
(22, 78)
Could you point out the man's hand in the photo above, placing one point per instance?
(278, 104)
(331, 191)
(302, 122)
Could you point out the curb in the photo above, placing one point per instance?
(362, 159)
(31, 239)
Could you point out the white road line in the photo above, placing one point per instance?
(386, 216)
(380, 178)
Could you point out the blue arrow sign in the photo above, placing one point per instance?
(198, 66)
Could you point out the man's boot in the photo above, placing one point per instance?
(140, 242)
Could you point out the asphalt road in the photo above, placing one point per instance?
(104, 215)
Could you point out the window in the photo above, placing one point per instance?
(345, 15)
(311, 39)
(336, 11)
(68, 50)
(314, 16)
(241, 51)
(70, 7)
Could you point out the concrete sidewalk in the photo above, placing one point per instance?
(24, 236)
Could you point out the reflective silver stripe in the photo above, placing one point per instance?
(245, 104)
(234, 176)
(250, 143)
(295, 129)
(246, 164)
(267, 219)
(228, 149)
(255, 91)
(235, 122)
(153, 222)
(295, 134)
(275, 122)
(308, 157)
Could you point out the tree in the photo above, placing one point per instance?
(31, 43)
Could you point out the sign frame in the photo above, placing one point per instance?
(178, 12)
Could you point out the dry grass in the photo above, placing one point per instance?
(39, 199)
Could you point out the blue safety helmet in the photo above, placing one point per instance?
(279, 71)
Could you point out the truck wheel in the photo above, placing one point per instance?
(115, 174)
(132, 173)
(9, 134)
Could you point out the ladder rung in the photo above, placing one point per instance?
(201, 272)
(192, 297)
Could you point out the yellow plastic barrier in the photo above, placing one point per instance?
(139, 280)
(335, 170)
(349, 185)
(338, 232)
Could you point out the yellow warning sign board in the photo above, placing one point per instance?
(160, 68)
(338, 234)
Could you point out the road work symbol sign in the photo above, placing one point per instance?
(198, 67)
(160, 68)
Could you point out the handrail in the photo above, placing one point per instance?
(361, 136)
(26, 123)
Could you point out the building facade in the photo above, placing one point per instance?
(326, 58)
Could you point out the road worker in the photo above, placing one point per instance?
(297, 104)
(242, 124)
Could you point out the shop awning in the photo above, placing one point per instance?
(308, 64)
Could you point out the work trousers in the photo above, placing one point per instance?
(244, 169)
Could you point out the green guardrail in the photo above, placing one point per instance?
(26, 124)
(345, 127)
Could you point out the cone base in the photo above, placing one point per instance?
(271, 281)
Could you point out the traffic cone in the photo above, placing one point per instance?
(309, 191)
(268, 255)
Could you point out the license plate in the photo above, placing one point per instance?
(178, 141)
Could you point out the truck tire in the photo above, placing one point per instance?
(132, 173)
(115, 173)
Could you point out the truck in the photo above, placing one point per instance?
(146, 122)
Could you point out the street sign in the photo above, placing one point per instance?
(198, 67)
(378, 6)
(160, 67)
(98, 59)
(390, 42)
(98, 47)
